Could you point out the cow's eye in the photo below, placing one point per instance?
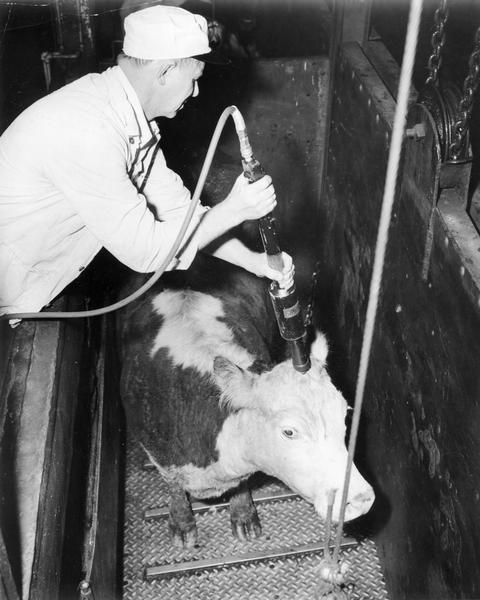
(289, 433)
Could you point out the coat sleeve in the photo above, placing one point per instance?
(88, 165)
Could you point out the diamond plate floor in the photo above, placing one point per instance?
(284, 523)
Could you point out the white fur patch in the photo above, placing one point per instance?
(193, 333)
(319, 348)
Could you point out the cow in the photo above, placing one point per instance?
(212, 397)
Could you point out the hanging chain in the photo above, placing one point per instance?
(470, 85)
(438, 41)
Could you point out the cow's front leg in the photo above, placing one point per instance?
(181, 520)
(243, 514)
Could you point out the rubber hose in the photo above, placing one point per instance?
(230, 110)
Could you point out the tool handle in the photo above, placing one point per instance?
(253, 171)
(268, 233)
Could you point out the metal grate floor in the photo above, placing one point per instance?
(285, 524)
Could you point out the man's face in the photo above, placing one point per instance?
(180, 82)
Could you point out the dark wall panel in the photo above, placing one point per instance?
(422, 399)
(283, 103)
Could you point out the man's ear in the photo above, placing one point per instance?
(163, 70)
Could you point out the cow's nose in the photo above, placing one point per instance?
(359, 504)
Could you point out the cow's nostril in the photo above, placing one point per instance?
(364, 499)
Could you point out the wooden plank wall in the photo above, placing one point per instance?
(420, 440)
(39, 396)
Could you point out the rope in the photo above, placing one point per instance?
(381, 244)
(332, 574)
(328, 524)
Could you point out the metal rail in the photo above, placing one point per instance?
(201, 507)
(190, 567)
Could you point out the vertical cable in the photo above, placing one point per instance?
(382, 240)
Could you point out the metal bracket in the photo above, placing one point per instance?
(47, 57)
(441, 102)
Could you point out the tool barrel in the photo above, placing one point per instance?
(290, 324)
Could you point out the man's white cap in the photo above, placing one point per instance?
(160, 32)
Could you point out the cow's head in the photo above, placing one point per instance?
(293, 428)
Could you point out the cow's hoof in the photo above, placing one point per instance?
(245, 525)
(243, 515)
(183, 535)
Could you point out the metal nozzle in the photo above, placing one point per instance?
(300, 356)
(245, 147)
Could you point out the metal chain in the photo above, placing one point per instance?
(438, 41)
(470, 85)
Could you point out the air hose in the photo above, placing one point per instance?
(240, 127)
(285, 302)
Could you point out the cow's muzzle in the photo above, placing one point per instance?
(357, 505)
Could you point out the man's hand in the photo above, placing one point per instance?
(284, 278)
(248, 201)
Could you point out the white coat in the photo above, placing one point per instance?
(72, 179)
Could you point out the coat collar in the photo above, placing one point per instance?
(127, 104)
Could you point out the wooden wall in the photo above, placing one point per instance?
(60, 467)
(420, 441)
(39, 395)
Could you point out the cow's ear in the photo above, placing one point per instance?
(235, 383)
(319, 349)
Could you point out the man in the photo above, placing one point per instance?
(80, 169)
